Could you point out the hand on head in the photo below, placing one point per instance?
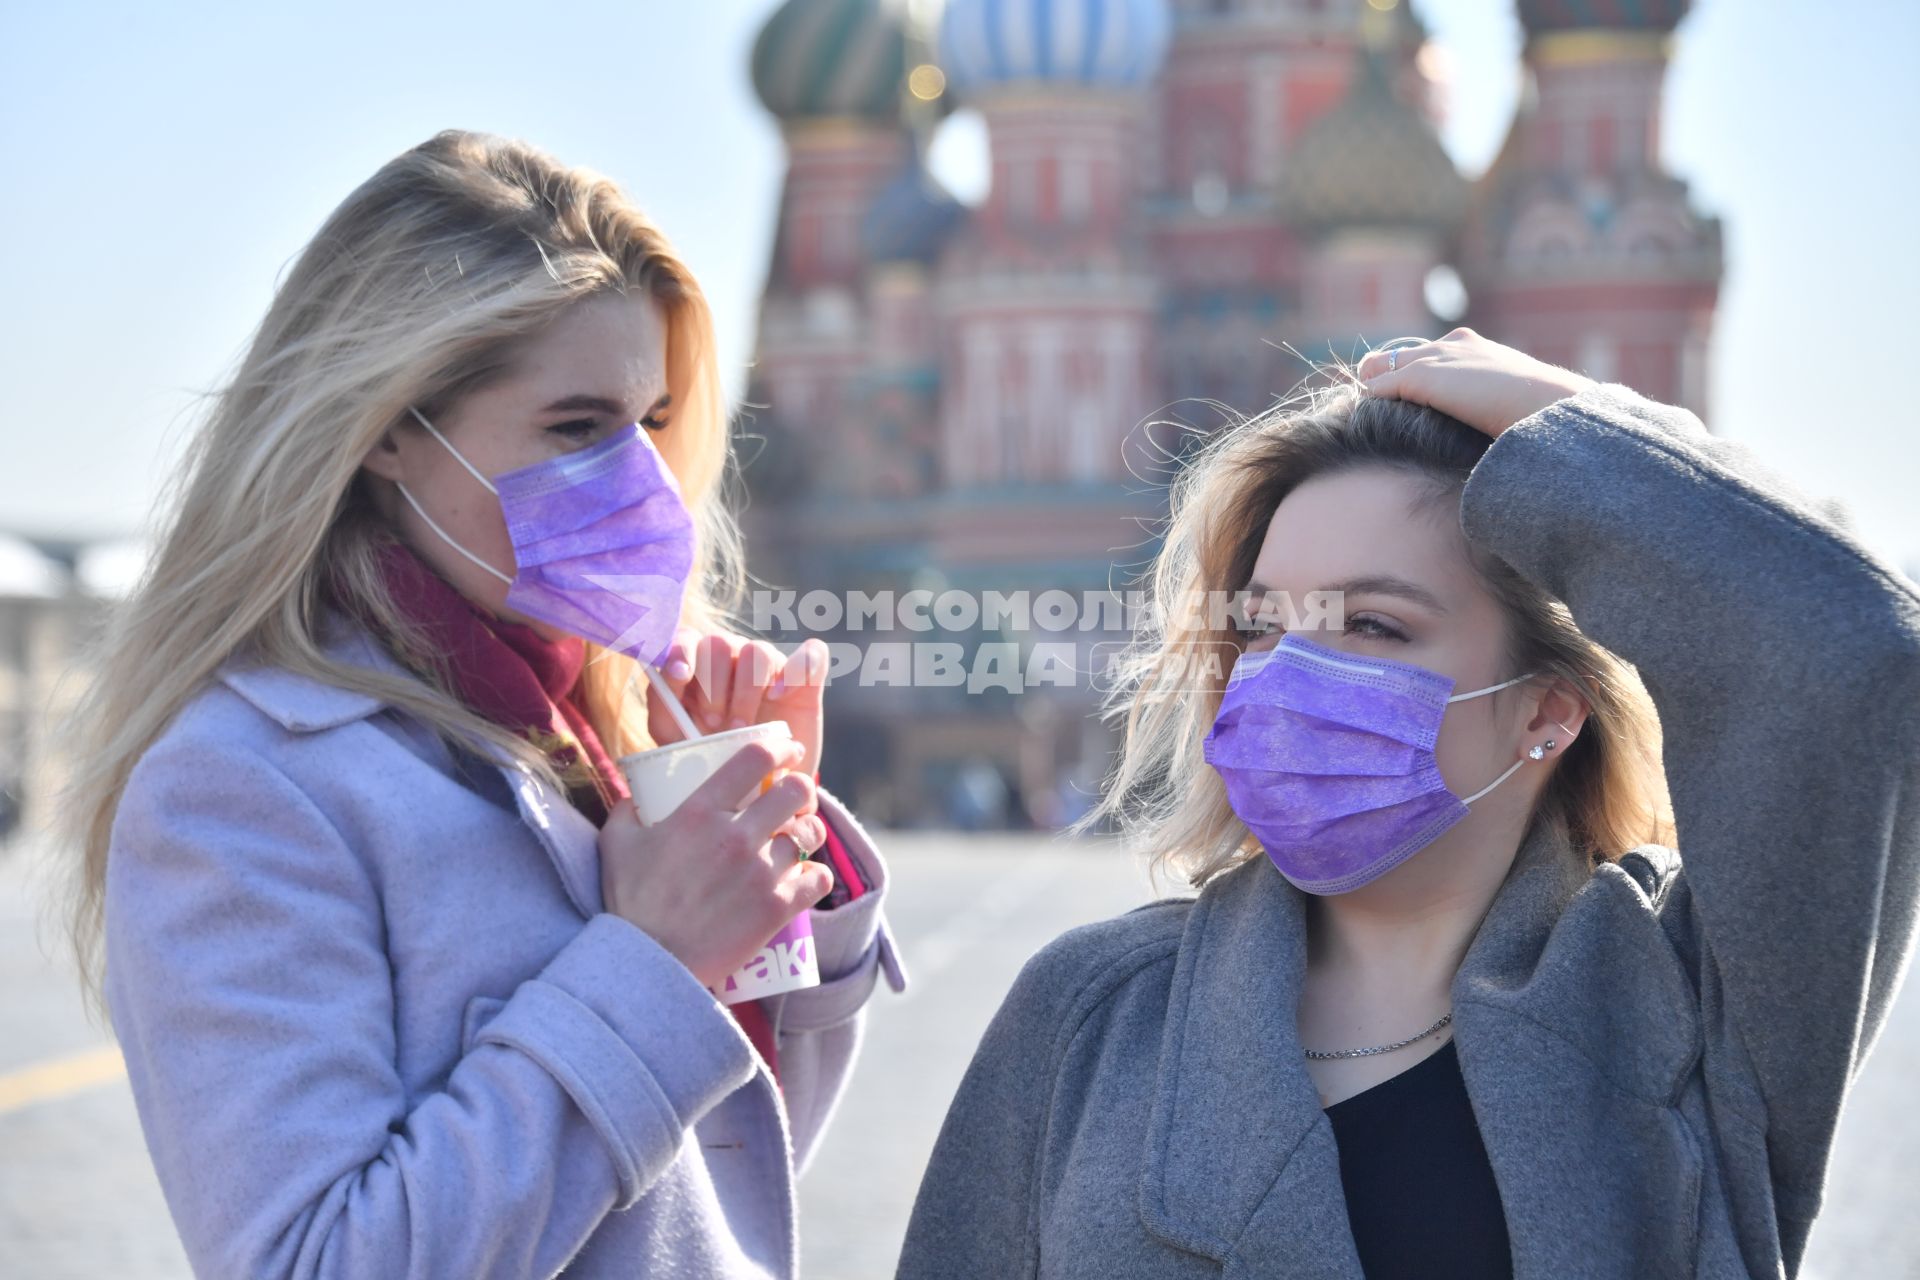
(1477, 380)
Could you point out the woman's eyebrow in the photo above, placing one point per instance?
(599, 404)
(1375, 583)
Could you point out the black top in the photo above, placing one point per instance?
(1420, 1193)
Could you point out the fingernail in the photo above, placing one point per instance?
(736, 723)
(679, 669)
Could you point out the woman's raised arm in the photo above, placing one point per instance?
(1784, 660)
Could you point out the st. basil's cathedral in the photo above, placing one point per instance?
(1190, 204)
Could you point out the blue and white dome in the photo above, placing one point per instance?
(987, 45)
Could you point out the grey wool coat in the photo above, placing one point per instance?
(1656, 1051)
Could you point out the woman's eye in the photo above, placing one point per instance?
(579, 429)
(1373, 627)
(654, 423)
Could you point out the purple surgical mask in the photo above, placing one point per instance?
(1328, 759)
(602, 543)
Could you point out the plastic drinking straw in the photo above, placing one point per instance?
(680, 716)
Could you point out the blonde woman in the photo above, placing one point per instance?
(403, 985)
(1483, 977)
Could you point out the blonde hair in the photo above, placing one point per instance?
(417, 290)
(1607, 793)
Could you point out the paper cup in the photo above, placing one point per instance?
(661, 780)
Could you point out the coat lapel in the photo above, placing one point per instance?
(1241, 1164)
(303, 705)
(1236, 1126)
(1576, 1030)
(569, 837)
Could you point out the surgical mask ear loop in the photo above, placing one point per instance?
(434, 525)
(1517, 763)
(1496, 782)
(458, 456)
(1490, 688)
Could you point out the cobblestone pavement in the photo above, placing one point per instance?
(78, 1198)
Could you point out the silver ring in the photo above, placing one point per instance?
(1393, 359)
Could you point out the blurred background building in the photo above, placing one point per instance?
(54, 594)
(1191, 204)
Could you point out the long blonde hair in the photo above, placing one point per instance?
(1608, 792)
(417, 290)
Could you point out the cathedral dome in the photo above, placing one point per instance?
(826, 58)
(1372, 160)
(1111, 44)
(1542, 17)
(910, 219)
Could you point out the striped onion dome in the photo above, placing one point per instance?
(1110, 44)
(824, 58)
(1540, 17)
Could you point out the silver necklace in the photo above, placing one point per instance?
(1445, 1018)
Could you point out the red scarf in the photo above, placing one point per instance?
(510, 674)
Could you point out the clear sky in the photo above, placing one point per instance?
(170, 160)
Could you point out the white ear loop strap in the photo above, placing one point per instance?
(1491, 688)
(1496, 782)
(458, 456)
(449, 541)
(1517, 763)
(431, 523)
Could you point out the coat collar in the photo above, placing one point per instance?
(304, 704)
(1256, 1184)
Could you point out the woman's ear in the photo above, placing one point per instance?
(1562, 708)
(383, 459)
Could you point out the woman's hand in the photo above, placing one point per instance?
(712, 885)
(727, 681)
(1474, 379)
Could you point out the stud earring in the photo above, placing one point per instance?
(1536, 751)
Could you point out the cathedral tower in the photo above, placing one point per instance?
(1583, 248)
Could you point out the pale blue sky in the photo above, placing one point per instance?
(168, 162)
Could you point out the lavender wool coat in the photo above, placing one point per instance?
(378, 1024)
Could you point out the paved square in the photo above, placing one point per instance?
(78, 1198)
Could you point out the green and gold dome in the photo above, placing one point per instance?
(1372, 160)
